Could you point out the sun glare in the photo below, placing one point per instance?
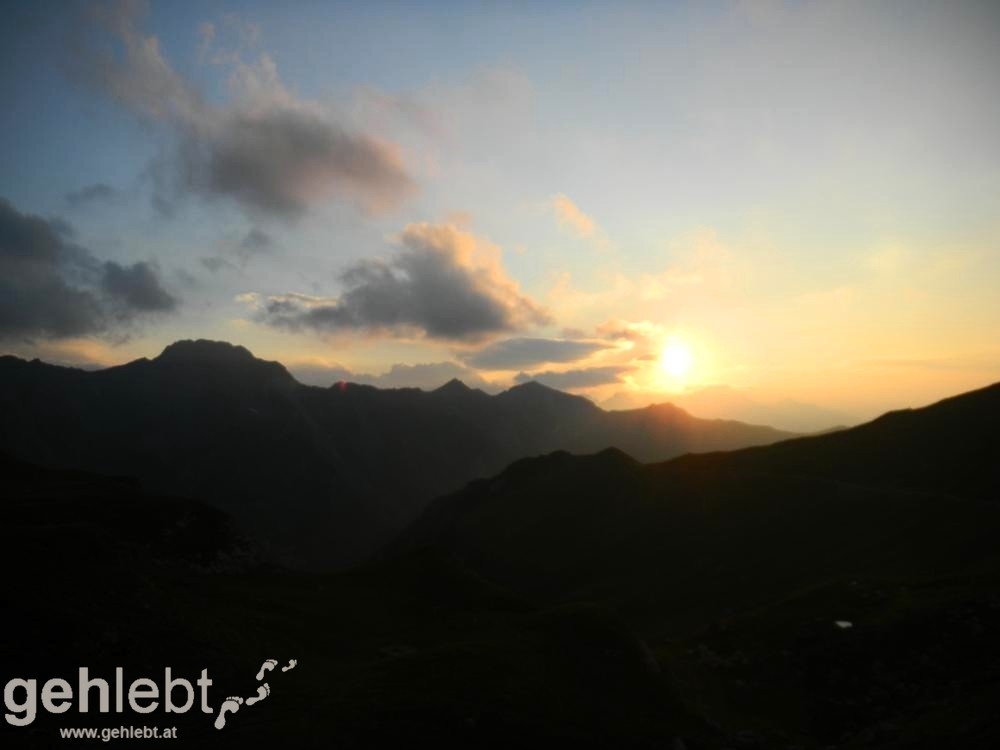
(676, 358)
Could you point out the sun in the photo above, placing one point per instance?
(676, 358)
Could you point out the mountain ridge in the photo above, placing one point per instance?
(705, 602)
(326, 475)
(961, 456)
(689, 487)
(780, 588)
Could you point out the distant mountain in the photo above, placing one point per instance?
(609, 511)
(732, 403)
(719, 601)
(324, 476)
(951, 447)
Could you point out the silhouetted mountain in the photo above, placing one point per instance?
(721, 401)
(92, 514)
(325, 476)
(951, 447)
(737, 567)
(585, 601)
(105, 576)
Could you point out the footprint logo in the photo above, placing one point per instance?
(232, 704)
(266, 667)
(262, 692)
(229, 706)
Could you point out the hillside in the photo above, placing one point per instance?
(737, 567)
(414, 651)
(323, 476)
(586, 601)
(950, 447)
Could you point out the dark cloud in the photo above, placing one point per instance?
(214, 263)
(52, 288)
(511, 354)
(90, 194)
(443, 283)
(268, 150)
(587, 377)
(186, 278)
(282, 160)
(234, 256)
(136, 287)
(256, 241)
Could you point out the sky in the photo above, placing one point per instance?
(779, 205)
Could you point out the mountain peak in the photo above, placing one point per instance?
(531, 387)
(533, 392)
(218, 355)
(453, 386)
(205, 351)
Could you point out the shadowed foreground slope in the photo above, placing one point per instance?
(585, 601)
(737, 567)
(412, 652)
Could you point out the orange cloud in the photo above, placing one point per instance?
(442, 283)
(571, 217)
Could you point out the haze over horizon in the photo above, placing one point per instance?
(735, 205)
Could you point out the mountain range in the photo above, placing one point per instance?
(831, 591)
(720, 401)
(900, 495)
(322, 476)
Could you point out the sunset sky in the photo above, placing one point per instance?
(784, 201)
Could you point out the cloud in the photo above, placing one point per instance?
(267, 150)
(573, 220)
(642, 340)
(515, 353)
(627, 330)
(282, 160)
(587, 377)
(443, 283)
(206, 37)
(571, 217)
(90, 194)
(256, 241)
(136, 287)
(235, 255)
(215, 264)
(53, 288)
